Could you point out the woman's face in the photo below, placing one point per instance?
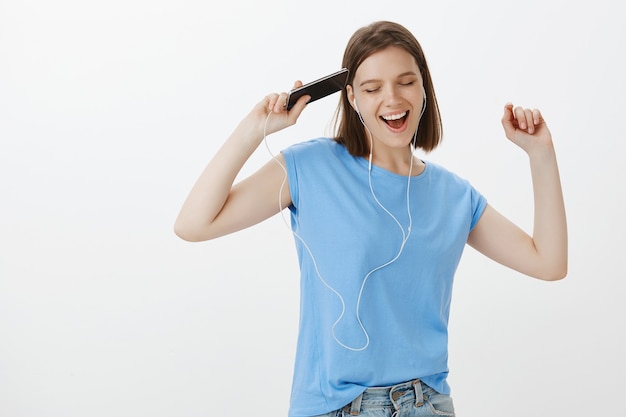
(387, 91)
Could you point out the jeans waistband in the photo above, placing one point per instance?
(388, 396)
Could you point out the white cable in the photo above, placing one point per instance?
(405, 235)
(306, 246)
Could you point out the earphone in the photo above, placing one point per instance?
(405, 233)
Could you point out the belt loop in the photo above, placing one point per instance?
(355, 407)
(419, 396)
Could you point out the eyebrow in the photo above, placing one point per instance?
(404, 74)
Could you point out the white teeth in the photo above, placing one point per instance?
(395, 116)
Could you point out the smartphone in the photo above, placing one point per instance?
(319, 88)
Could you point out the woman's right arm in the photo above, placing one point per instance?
(215, 207)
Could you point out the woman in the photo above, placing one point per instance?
(379, 232)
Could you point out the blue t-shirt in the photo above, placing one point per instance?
(395, 320)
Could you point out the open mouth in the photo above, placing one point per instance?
(396, 121)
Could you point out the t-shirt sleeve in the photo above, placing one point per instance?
(479, 202)
(291, 156)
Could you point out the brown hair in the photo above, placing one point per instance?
(363, 43)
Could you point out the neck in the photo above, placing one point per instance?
(401, 163)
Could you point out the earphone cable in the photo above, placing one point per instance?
(405, 236)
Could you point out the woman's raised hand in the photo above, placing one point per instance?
(526, 128)
(273, 114)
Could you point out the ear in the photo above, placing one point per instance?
(350, 96)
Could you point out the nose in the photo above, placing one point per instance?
(392, 96)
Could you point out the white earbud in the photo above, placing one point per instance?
(356, 107)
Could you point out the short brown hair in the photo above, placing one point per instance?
(363, 43)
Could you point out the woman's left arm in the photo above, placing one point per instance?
(544, 254)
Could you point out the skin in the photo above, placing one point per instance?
(386, 83)
(389, 83)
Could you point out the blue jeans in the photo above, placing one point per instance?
(410, 399)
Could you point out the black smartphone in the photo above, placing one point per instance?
(319, 88)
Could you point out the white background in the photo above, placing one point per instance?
(110, 109)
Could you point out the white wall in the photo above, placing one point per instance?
(109, 111)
